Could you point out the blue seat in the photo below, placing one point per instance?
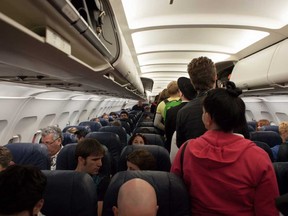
(281, 171)
(274, 128)
(103, 122)
(127, 125)
(94, 126)
(151, 130)
(113, 144)
(66, 160)
(283, 153)
(266, 148)
(270, 137)
(68, 138)
(154, 139)
(253, 124)
(145, 124)
(117, 130)
(30, 154)
(69, 193)
(172, 195)
(282, 204)
(160, 154)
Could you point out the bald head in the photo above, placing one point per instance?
(136, 198)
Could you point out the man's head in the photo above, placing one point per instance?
(52, 137)
(22, 189)
(172, 89)
(124, 115)
(89, 153)
(202, 72)
(136, 197)
(6, 158)
(186, 88)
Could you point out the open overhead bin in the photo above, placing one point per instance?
(48, 43)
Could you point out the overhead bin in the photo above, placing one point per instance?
(266, 68)
(41, 46)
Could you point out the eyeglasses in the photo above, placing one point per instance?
(52, 141)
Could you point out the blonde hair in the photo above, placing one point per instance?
(172, 88)
(283, 127)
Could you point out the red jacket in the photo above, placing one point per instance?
(227, 174)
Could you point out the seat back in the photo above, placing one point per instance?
(69, 193)
(154, 139)
(66, 159)
(113, 144)
(68, 138)
(161, 155)
(151, 130)
(283, 153)
(127, 125)
(172, 195)
(274, 128)
(117, 130)
(281, 171)
(270, 137)
(145, 124)
(253, 124)
(266, 148)
(30, 154)
(92, 125)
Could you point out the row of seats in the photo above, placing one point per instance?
(70, 193)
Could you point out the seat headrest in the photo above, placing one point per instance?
(69, 193)
(112, 142)
(30, 154)
(66, 159)
(120, 131)
(270, 137)
(283, 153)
(68, 138)
(172, 195)
(281, 171)
(94, 126)
(161, 155)
(154, 139)
(266, 148)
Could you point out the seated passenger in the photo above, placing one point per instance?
(139, 106)
(137, 139)
(136, 197)
(22, 189)
(261, 123)
(81, 133)
(283, 132)
(6, 158)
(89, 154)
(124, 115)
(141, 159)
(225, 173)
(52, 137)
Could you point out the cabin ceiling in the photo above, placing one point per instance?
(164, 35)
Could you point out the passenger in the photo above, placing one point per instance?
(187, 93)
(163, 95)
(52, 137)
(202, 72)
(136, 197)
(106, 117)
(113, 115)
(137, 139)
(225, 173)
(154, 104)
(89, 154)
(141, 159)
(22, 189)
(283, 132)
(261, 123)
(124, 115)
(81, 133)
(138, 107)
(6, 158)
(172, 89)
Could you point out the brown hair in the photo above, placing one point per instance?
(172, 88)
(202, 72)
(143, 159)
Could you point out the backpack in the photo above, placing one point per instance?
(170, 104)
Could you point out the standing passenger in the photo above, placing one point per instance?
(225, 173)
(187, 93)
(52, 137)
(202, 72)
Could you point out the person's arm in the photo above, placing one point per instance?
(180, 136)
(158, 123)
(267, 190)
